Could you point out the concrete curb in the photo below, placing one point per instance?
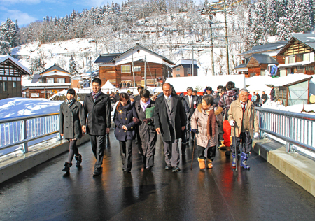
(298, 168)
(29, 160)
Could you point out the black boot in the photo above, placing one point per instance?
(67, 167)
(79, 160)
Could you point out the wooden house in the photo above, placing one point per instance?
(128, 68)
(183, 68)
(258, 63)
(297, 56)
(11, 72)
(48, 83)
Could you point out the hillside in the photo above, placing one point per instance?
(169, 29)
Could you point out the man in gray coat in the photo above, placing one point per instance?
(170, 122)
(96, 121)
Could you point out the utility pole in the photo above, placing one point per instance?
(226, 41)
(145, 72)
(133, 73)
(192, 55)
(211, 44)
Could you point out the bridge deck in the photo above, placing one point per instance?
(263, 193)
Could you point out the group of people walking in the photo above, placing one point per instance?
(192, 118)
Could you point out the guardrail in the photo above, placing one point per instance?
(293, 128)
(20, 131)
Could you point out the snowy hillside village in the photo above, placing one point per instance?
(256, 44)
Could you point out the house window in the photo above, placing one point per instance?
(18, 79)
(177, 69)
(136, 68)
(291, 59)
(0, 78)
(4, 86)
(14, 79)
(9, 78)
(4, 78)
(177, 75)
(299, 58)
(50, 80)
(125, 69)
(61, 80)
(14, 84)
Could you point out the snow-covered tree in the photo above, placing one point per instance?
(272, 17)
(72, 66)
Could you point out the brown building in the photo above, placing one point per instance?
(259, 63)
(125, 69)
(48, 83)
(298, 55)
(11, 72)
(183, 68)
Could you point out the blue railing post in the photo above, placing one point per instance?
(24, 137)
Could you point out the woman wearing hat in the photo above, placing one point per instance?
(70, 127)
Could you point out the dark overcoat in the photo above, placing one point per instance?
(162, 120)
(124, 116)
(144, 127)
(191, 106)
(96, 115)
(69, 120)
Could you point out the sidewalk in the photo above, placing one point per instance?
(298, 168)
(39, 153)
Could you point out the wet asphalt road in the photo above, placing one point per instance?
(44, 193)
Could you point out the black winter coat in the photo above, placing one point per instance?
(161, 117)
(69, 120)
(124, 116)
(96, 115)
(192, 107)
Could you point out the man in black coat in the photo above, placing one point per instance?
(170, 122)
(192, 102)
(96, 121)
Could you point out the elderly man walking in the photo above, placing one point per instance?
(243, 121)
(170, 122)
(96, 121)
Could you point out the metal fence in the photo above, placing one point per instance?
(293, 128)
(21, 131)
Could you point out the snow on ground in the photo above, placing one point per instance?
(21, 107)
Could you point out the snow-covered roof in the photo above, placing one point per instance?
(264, 59)
(291, 79)
(185, 61)
(308, 39)
(54, 67)
(266, 47)
(108, 85)
(47, 84)
(107, 58)
(110, 58)
(6, 57)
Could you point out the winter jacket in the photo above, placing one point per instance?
(124, 116)
(225, 102)
(236, 113)
(199, 120)
(162, 120)
(96, 114)
(69, 120)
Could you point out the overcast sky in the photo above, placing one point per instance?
(26, 11)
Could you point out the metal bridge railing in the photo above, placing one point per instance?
(294, 128)
(20, 131)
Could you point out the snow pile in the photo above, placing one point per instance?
(22, 107)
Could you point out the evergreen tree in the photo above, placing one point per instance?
(303, 15)
(271, 17)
